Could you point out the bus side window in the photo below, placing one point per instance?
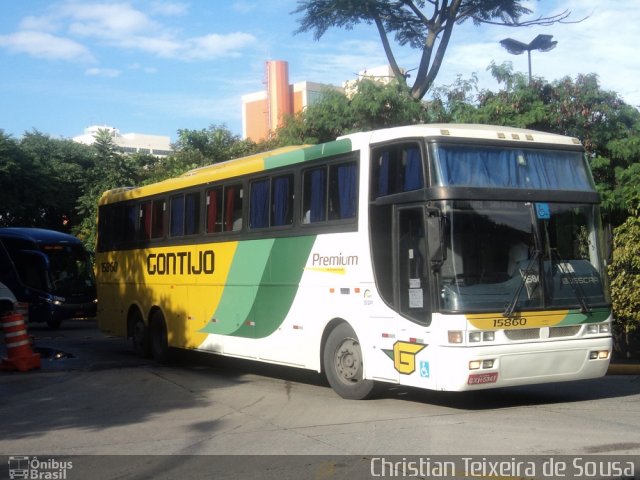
(343, 190)
(214, 210)
(177, 216)
(157, 223)
(259, 206)
(314, 203)
(192, 213)
(233, 208)
(282, 201)
(396, 169)
(144, 224)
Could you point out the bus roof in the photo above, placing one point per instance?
(37, 235)
(346, 143)
(465, 130)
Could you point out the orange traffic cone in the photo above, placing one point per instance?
(19, 352)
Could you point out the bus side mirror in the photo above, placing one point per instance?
(434, 236)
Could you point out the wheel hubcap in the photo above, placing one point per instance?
(348, 361)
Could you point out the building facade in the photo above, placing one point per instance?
(157, 145)
(263, 112)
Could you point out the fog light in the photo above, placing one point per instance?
(489, 336)
(605, 328)
(599, 355)
(591, 328)
(487, 363)
(475, 336)
(475, 364)
(455, 336)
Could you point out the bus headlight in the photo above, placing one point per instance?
(592, 328)
(475, 337)
(595, 328)
(455, 336)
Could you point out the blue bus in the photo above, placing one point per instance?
(50, 271)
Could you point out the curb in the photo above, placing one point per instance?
(623, 369)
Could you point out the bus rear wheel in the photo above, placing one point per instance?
(343, 365)
(158, 340)
(139, 335)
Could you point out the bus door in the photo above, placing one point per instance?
(411, 265)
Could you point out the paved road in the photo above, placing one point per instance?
(106, 401)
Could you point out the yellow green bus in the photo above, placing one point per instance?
(445, 257)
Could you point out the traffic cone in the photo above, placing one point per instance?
(19, 352)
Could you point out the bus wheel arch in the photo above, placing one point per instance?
(342, 362)
(138, 332)
(158, 336)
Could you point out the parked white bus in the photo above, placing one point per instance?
(446, 257)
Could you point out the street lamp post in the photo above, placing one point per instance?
(542, 43)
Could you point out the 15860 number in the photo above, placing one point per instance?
(109, 267)
(509, 322)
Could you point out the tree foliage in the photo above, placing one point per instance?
(419, 24)
(373, 105)
(624, 272)
(41, 180)
(608, 127)
(111, 169)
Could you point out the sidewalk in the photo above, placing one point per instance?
(623, 368)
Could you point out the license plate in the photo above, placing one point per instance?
(482, 378)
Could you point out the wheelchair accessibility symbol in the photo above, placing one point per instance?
(424, 369)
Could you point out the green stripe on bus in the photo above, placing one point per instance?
(261, 287)
(575, 317)
(247, 268)
(310, 153)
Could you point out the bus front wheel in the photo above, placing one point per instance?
(343, 366)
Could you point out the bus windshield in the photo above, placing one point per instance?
(512, 256)
(503, 167)
(69, 271)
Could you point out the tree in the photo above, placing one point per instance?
(111, 169)
(372, 106)
(624, 272)
(41, 180)
(212, 145)
(412, 25)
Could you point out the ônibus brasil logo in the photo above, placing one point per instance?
(24, 467)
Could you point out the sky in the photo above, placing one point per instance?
(156, 66)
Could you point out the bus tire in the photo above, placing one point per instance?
(158, 340)
(139, 335)
(343, 366)
(54, 323)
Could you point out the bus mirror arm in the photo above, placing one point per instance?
(434, 237)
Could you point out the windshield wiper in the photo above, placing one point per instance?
(565, 269)
(511, 306)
